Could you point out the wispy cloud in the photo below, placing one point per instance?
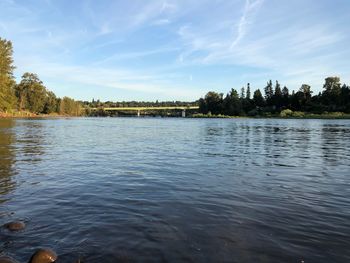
(246, 19)
(177, 47)
(280, 50)
(135, 55)
(216, 39)
(161, 22)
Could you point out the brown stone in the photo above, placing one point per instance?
(6, 259)
(43, 256)
(15, 226)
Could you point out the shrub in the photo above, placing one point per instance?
(286, 113)
(298, 114)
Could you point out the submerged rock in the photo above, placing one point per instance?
(43, 256)
(6, 259)
(15, 225)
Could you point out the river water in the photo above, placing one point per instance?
(177, 190)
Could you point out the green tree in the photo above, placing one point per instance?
(233, 104)
(248, 92)
(31, 93)
(278, 97)
(285, 95)
(212, 103)
(51, 103)
(247, 103)
(269, 93)
(345, 98)
(332, 92)
(7, 82)
(69, 107)
(258, 98)
(243, 94)
(306, 90)
(203, 108)
(332, 84)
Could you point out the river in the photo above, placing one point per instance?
(177, 190)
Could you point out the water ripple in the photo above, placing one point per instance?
(177, 190)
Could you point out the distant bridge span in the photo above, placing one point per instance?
(139, 109)
(151, 108)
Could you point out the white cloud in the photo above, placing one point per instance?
(161, 22)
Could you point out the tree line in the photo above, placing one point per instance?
(335, 97)
(29, 94)
(121, 104)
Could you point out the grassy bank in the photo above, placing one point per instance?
(27, 114)
(219, 116)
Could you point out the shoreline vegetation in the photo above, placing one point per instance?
(27, 114)
(31, 99)
(296, 115)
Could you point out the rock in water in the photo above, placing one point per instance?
(6, 259)
(15, 226)
(43, 256)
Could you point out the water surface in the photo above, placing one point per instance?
(177, 190)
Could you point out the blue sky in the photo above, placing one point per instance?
(176, 50)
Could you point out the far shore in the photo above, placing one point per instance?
(297, 115)
(301, 115)
(25, 114)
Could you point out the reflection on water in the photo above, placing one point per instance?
(30, 142)
(7, 158)
(177, 190)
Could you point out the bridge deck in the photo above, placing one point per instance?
(151, 108)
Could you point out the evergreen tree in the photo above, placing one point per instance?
(285, 92)
(247, 103)
(285, 95)
(248, 92)
(269, 93)
(233, 104)
(243, 93)
(278, 98)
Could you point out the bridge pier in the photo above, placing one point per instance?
(183, 114)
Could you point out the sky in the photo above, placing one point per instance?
(176, 50)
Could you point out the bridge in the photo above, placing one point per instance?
(139, 109)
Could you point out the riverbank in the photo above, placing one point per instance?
(293, 115)
(27, 114)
